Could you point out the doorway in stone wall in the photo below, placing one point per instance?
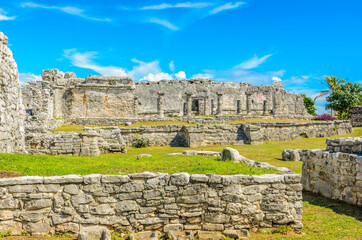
(195, 108)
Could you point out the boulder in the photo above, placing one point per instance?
(232, 154)
(94, 233)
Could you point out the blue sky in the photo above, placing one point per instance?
(255, 41)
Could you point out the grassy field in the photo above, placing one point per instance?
(322, 218)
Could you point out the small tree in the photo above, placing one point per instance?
(309, 105)
(344, 98)
(332, 83)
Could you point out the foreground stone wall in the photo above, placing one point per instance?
(149, 201)
(335, 174)
(11, 106)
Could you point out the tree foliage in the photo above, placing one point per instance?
(344, 98)
(332, 83)
(309, 105)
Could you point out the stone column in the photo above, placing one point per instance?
(135, 107)
(264, 107)
(248, 104)
(219, 104)
(161, 104)
(188, 104)
(238, 106)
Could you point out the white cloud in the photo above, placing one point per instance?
(144, 68)
(177, 5)
(253, 62)
(202, 75)
(157, 77)
(4, 17)
(67, 9)
(276, 79)
(27, 77)
(171, 65)
(180, 75)
(227, 6)
(164, 23)
(85, 60)
(142, 71)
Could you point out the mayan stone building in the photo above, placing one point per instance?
(11, 108)
(68, 97)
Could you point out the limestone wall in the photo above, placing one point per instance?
(72, 144)
(11, 106)
(121, 98)
(336, 175)
(206, 97)
(346, 145)
(280, 131)
(224, 134)
(356, 116)
(149, 201)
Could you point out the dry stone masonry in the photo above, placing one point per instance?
(356, 116)
(335, 172)
(11, 107)
(150, 202)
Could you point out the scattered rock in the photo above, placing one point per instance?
(230, 154)
(143, 155)
(94, 233)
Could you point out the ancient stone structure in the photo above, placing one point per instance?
(335, 172)
(224, 134)
(356, 116)
(74, 144)
(65, 96)
(11, 107)
(148, 201)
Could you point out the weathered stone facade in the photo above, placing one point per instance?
(100, 98)
(11, 107)
(356, 116)
(335, 172)
(148, 201)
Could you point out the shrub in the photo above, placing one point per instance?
(140, 143)
(325, 117)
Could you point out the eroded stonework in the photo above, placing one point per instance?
(11, 107)
(94, 97)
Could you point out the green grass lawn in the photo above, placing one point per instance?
(322, 218)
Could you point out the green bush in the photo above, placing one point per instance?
(140, 143)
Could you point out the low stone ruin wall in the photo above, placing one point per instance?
(346, 145)
(332, 173)
(115, 139)
(281, 131)
(148, 201)
(189, 119)
(72, 144)
(224, 134)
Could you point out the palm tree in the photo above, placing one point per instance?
(332, 83)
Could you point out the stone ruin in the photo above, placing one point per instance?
(11, 107)
(356, 116)
(70, 98)
(335, 172)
